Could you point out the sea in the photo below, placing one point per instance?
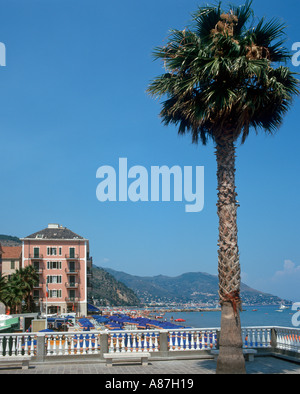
(250, 317)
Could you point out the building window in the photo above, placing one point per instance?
(54, 265)
(54, 279)
(59, 251)
(12, 265)
(54, 293)
(72, 253)
(36, 252)
(51, 251)
(72, 266)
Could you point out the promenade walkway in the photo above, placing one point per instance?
(261, 365)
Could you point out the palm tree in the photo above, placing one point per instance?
(18, 288)
(29, 277)
(224, 77)
(13, 293)
(3, 284)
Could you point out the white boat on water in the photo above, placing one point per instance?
(282, 308)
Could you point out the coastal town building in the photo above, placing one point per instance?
(11, 259)
(62, 260)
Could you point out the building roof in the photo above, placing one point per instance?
(11, 252)
(54, 231)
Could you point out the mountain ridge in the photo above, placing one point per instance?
(109, 291)
(189, 287)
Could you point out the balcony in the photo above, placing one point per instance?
(71, 285)
(72, 256)
(38, 286)
(36, 256)
(72, 271)
(71, 299)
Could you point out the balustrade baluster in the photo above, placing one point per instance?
(123, 343)
(111, 346)
(54, 345)
(66, 345)
(19, 346)
(202, 340)
(48, 346)
(181, 336)
(176, 340)
(133, 343)
(171, 341)
(6, 338)
(117, 350)
(72, 344)
(129, 342)
(97, 343)
(150, 342)
(139, 342)
(268, 337)
(156, 342)
(90, 348)
(60, 345)
(13, 345)
(32, 346)
(197, 340)
(263, 337)
(26, 346)
(215, 339)
(258, 341)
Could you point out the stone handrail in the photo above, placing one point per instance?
(162, 343)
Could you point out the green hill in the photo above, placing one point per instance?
(110, 291)
(9, 240)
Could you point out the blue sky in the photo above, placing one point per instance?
(73, 99)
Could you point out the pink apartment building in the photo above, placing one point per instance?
(62, 260)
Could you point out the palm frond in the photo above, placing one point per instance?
(219, 75)
(243, 13)
(206, 19)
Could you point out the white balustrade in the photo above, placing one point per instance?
(256, 337)
(64, 344)
(189, 339)
(17, 344)
(133, 341)
(288, 339)
(179, 340)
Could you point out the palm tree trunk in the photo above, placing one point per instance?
(230, 358)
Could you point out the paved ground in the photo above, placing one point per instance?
(261, 365)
